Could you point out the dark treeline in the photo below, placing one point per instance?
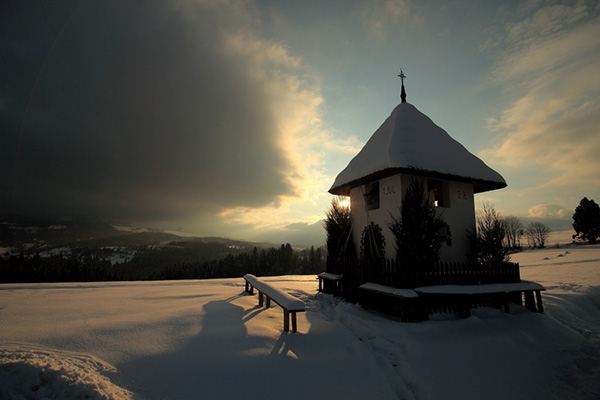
(159, 264)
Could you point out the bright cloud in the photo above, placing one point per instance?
(182, 113)
(550, 72)
(294, 102)
(233, 117)
(549, 211)
(539, 24)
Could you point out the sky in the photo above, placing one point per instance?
(233, 118)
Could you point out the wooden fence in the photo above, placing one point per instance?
(355, 272)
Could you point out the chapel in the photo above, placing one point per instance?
(410, 145)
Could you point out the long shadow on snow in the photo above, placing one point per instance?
(217, 363)
(224, 362)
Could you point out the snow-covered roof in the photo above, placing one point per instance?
(408, 141)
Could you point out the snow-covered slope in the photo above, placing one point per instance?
(207, 339)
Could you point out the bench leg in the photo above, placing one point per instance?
(286, 320)
(516, 298)
(505, 306)
(540, 305)
(268, 302)
(464, 306)
(260, 298)
(529, 301)
(320, 284)
(294, 323)
(249, 288)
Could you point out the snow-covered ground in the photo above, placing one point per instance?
(209, 340)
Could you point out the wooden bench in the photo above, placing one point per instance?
(466, 295)
(289, 303)
(405, 303)
(335, 280)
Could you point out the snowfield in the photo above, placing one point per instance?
(209, 340)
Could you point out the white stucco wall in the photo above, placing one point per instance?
(460, 214)
(390, 199)
(461, 218)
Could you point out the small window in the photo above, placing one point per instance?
(437, 194)
(372, 196)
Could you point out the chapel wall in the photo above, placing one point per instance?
(379, 200)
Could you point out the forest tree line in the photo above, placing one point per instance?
(150, 263)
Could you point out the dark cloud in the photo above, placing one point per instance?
(138, 114)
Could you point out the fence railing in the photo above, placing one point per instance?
(387, 272)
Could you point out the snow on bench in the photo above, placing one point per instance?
(330, 276)
(334, 278)
(528, 288)
(405, 304)
(481, 289)
(418, 303)
(289, 303)
(375, 287)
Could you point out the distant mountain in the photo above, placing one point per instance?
(31, 236)
(28, 234)
(72, 251)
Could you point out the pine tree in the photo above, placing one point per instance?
(338, 226)
(418, 230)
(586, 221)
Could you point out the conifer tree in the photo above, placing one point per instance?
(419, 232)
(586, 221)
(338, 227)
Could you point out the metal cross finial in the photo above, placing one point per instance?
(402, 92)
(402, 76)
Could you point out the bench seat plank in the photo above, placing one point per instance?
(335, 279)
(330, 276)
(402, 303)
(375, 287)
(289, 303)
(285, 300)
(505, 290)
(481, 289)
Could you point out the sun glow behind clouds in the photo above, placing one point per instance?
(294, 101)
(294, 98)
(247, 122)
(344, 203)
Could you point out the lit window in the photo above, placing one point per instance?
(437, 193)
